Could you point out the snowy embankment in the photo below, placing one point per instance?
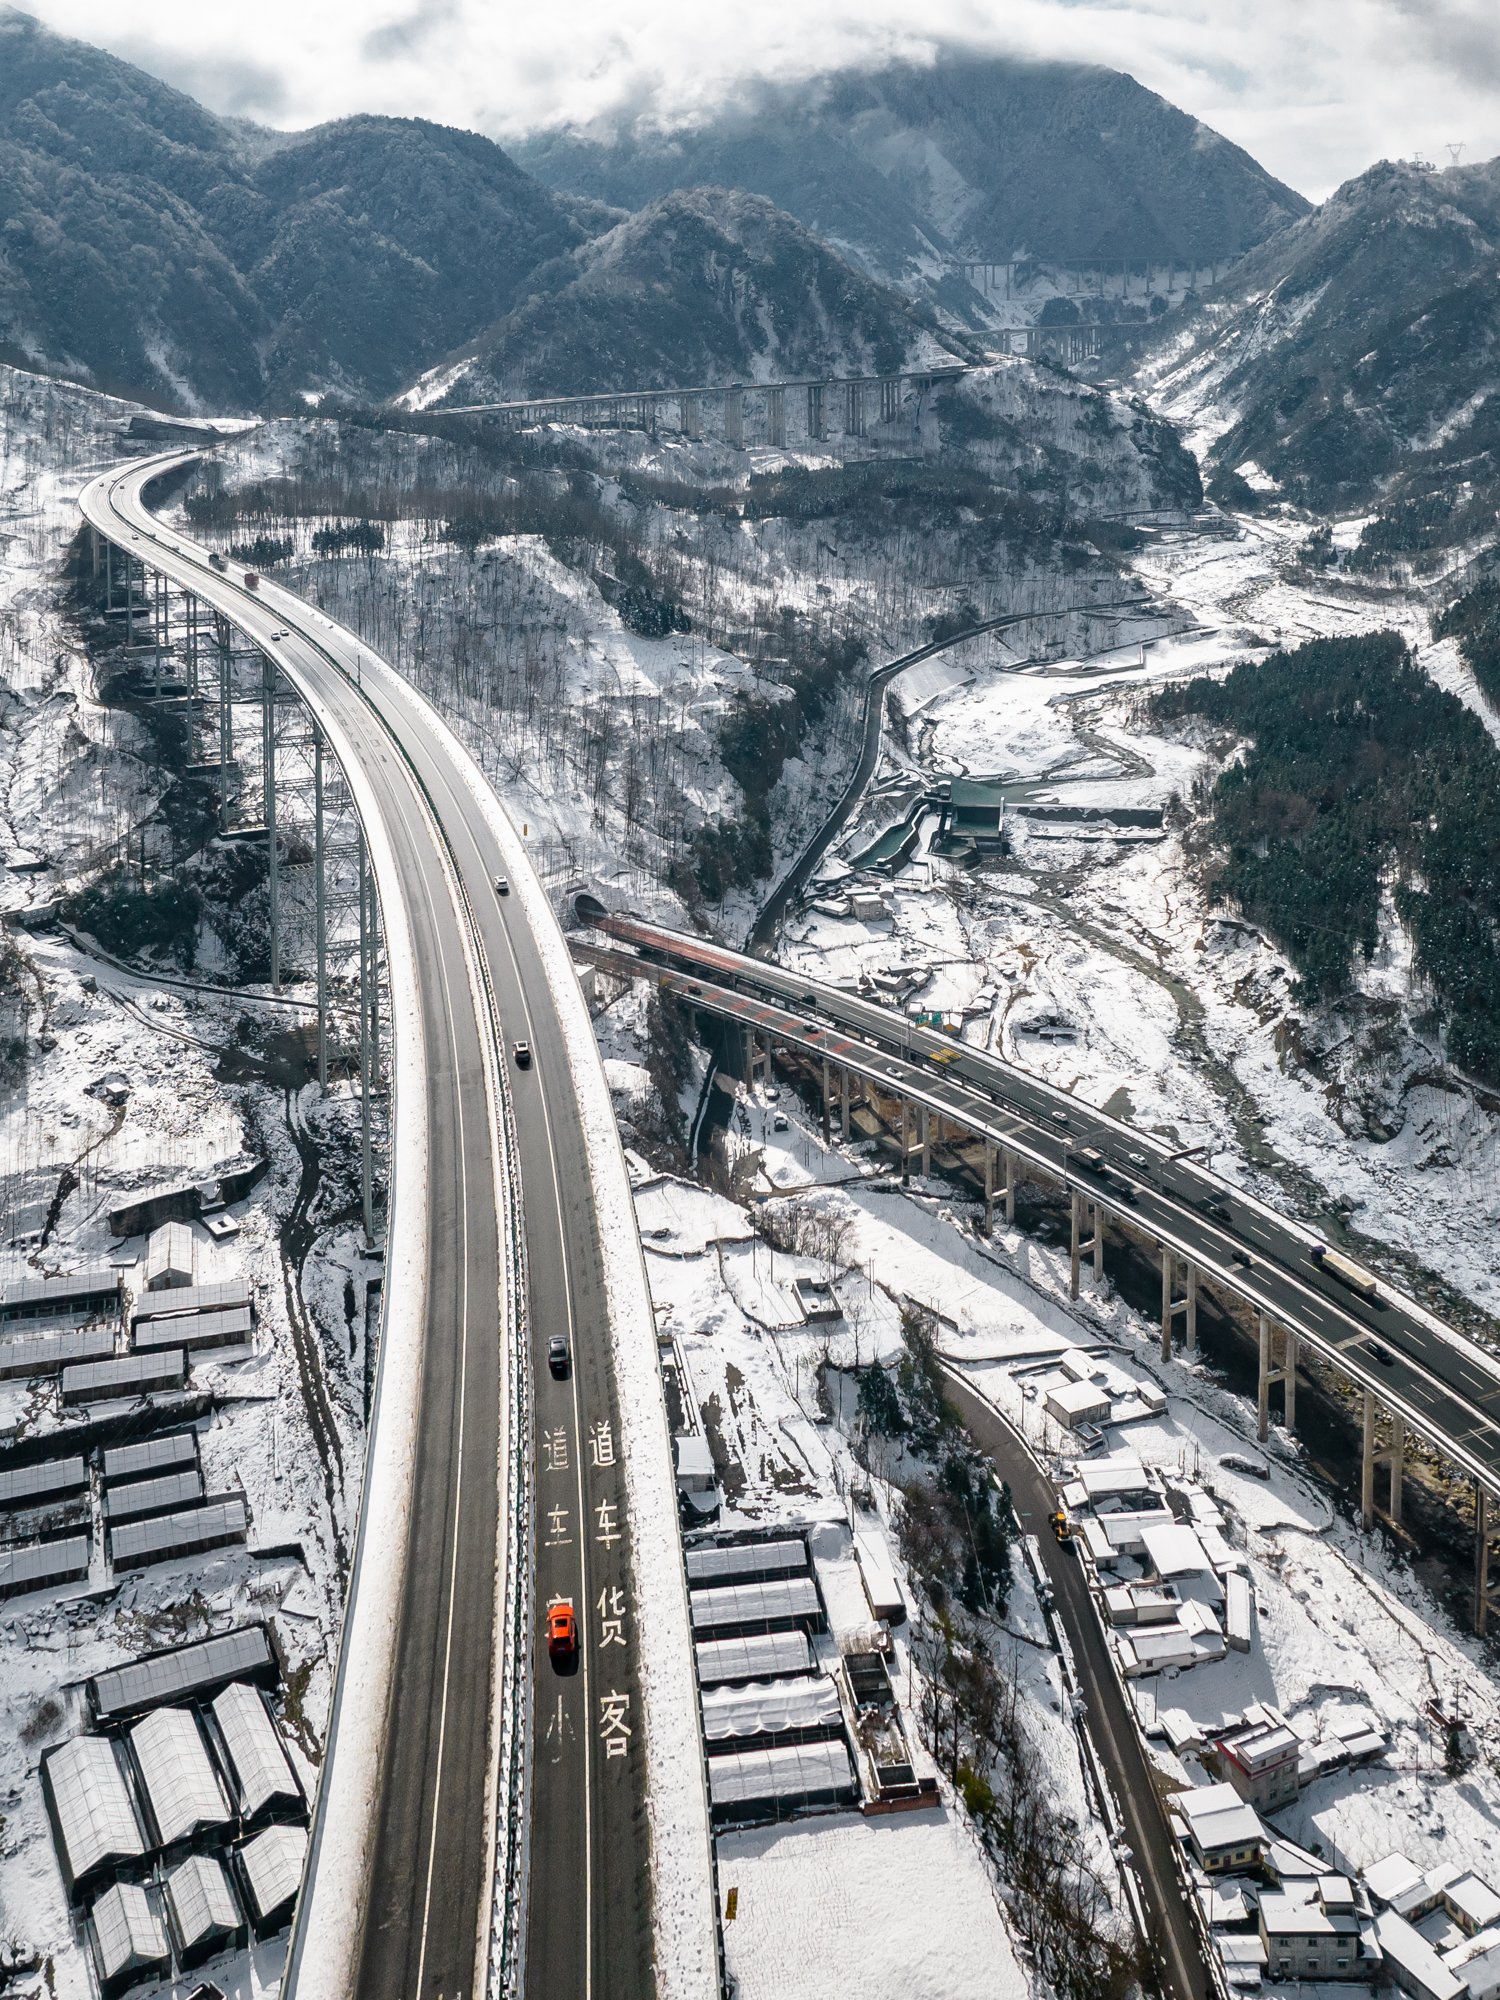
(683, 1913)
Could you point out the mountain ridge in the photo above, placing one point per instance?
(981, 156)
(1353, 358)
(705, 285)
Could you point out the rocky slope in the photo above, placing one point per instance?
(990, 157)
(1352, 357)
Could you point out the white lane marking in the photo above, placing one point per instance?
(458, 1484)
(486, 877)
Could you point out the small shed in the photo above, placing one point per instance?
(35, 1485)
(136, 1498)
(96, 1824)
(745, 1562)
(790, 1602)
(762, 1656)
(775, 1784)
(39, 1565)
(1076, 1403)
(188, 1531)
(265, 1785)
(171, 1259)
(178, 1781)
(184, 1673)
(173, 1451)
(127, 1376)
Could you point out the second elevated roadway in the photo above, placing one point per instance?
(1442, 1383)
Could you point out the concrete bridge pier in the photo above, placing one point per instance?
(1171, 1305)
(691, 415)
(1007, 1191)
(268, 793)
(776, 415)
(734, 416)
(1486, 1536)
(905, 1141)
(924, 1134)
(1083, 1246)
(816, 429)
(1286, 1375)
(890, 399)
(827, 1104)
(854, 409)
(1392, 1455)
(844, 1104)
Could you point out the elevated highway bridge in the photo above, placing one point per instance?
(1414, 1375)
(480, 1821)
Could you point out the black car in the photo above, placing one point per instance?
(558, 1358)
(523, 1055)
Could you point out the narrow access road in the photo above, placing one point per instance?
(763, 932)
(1174, 1936)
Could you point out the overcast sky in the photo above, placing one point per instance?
(1316, 89)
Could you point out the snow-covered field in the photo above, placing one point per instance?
(1180, 1016)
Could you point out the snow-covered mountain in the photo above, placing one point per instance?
(1352, 357)
(154, 249)
(984, 156)
(702, 286)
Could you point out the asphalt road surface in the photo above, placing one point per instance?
(1443, 1383)
(1173, 1936)
(424, 1933)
